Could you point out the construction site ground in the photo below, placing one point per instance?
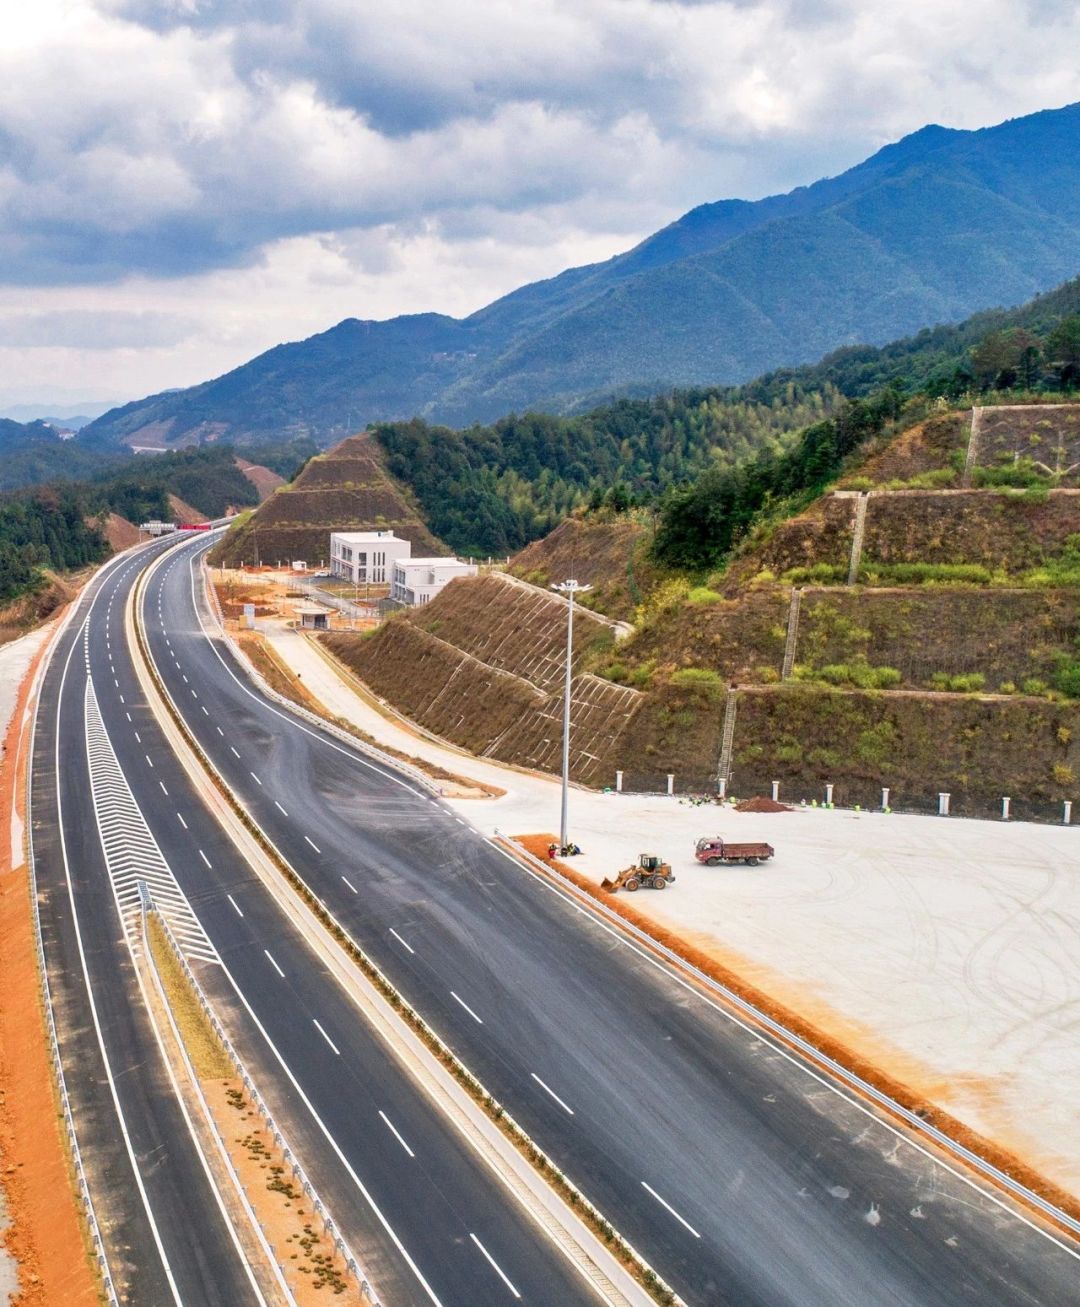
(940, 949)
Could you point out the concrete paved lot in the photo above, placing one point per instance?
(946, 949)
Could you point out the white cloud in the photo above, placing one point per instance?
(267, 169)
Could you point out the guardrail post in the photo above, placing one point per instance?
(1005, 802)
(943, 804)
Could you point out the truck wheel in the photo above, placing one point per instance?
(658, 882)
(632, 884)
(751, 862)
(712, 862)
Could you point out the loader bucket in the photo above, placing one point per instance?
(610, 885)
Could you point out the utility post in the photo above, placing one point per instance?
(569, 588)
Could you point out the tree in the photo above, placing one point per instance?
(1063, 350)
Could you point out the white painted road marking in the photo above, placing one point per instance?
(181, 821)
(204, 858)
(270, 959)
(350, 885)
(671, 1209)
(465, 1005)
(280, 808)
(239, 910)
(147, 757)
(312, 843)
(403, 944)
(138, 737)
(548, 1089)
(220, 731)
(163, 789)
(234, 751)
(326, 1037)
(390, 1126)
(255, 779)
(495, 1265)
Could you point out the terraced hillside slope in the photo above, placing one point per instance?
(345, 489)
(906, 630)
(482, 666)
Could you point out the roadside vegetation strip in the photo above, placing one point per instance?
(216, 1073)
(581, 1206)
(984, 1156)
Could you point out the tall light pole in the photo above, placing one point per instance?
(570, 589)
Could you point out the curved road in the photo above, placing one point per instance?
(430, 1221)
(740, 1173)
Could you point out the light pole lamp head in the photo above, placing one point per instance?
(570, 587)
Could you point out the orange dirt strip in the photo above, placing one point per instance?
(46, 1234)
(839, 1051)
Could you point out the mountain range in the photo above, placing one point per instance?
(929, 229)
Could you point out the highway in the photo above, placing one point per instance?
(739, 1172)
(110, 804)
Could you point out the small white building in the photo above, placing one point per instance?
(419, 580)
(366, 557)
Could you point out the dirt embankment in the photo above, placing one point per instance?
(262, 478)
(120, 533)
(184, 512)
(30, 610)
(46, 1234)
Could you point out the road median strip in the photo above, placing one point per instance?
(571, 1220)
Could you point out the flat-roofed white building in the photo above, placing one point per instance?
(366, 557)
(419, 580)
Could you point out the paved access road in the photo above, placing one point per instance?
(741, 1174)
(111, 806)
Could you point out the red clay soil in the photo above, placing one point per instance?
(262, 478)
(184, 512)
(46, 1234)
(826, 1043)
(120, 533)
(761, 804)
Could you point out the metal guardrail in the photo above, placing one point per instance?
(97, 1243)
(273, 1129)
(814, 1054)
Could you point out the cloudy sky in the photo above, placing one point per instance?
(184, 183)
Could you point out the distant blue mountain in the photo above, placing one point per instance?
(929, 229)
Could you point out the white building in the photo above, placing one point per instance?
(418, 580)
(366, 557)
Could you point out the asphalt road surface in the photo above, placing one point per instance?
(431, 1223)
(740, 1173)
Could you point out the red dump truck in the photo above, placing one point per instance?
(712, 850)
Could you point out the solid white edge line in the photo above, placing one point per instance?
(664, 1203)
(390, 1126)
(326, 1037)
(324, 1129)
(987, 1190)
(479, 1020)
(270, 959)
(495, 1265)
(548, 1089)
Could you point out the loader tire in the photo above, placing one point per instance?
(658, 882)
(632, 884)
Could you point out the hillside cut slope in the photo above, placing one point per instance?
(916, 628)
(345, 489)
(927, 230)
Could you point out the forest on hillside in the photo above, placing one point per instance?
(491, 489)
